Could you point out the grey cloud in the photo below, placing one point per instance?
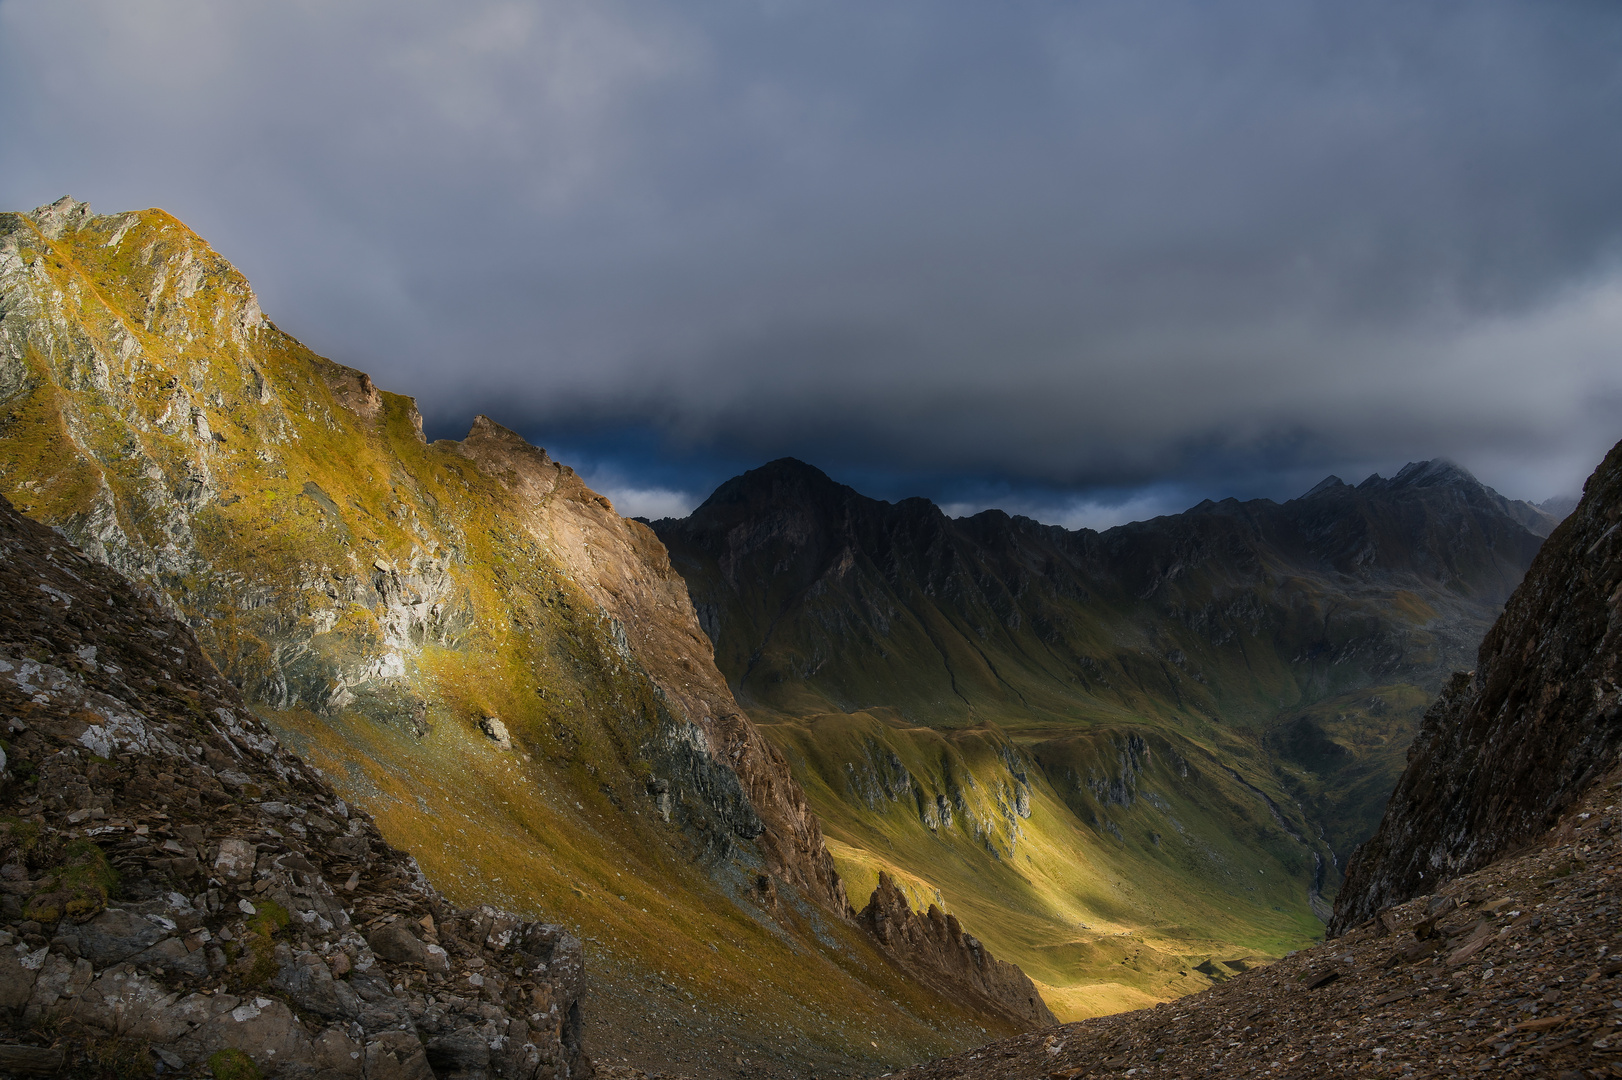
(1062, 244)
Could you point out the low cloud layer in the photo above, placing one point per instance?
(1046, 255)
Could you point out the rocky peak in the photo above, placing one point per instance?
(933, 946)
(1505, 749)
(1326, 486)
(1437, 472)
(65, 215)
(785, 480)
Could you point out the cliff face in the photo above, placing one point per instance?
(176, 888)
(163, 422)
(1505, 749)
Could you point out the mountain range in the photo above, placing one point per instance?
(1121, 753)
(1130, 762)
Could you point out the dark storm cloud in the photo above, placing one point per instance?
(1067, 257)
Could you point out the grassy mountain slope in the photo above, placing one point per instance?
(1126, 756)
(386, 603)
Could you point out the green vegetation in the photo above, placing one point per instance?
(233, 1064)
(1203, 714)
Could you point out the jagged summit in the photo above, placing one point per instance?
(64, 215)
(1325, 486)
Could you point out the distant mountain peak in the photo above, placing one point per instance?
(1327, 485)
(786, 477)
(1436, 472)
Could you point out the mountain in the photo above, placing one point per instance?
(1175, 729)
(1507, 748)
(175, 885)
(1476, 929)
(467, 641)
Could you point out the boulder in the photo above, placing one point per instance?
(497, 732)
(114, 935)
(235, 862)
(395, 943)
(396, 1055)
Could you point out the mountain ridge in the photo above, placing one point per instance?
(391, 606)
(1498, 959)
(1281, 653)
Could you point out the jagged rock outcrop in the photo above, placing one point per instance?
(934, 947)
(1505, 749)
(175, 886)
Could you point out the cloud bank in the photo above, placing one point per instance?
(1055, 254)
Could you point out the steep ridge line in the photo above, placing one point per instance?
(1506, 749)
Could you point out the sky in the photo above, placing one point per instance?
(1084, 261)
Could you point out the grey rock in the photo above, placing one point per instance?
(308, 983)
(114, 935)
(396, 1055)
(459, 1052)
(171, 954)
(397, 944)
(235, 861)
(16, 980)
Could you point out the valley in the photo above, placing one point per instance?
(1132, 763)
(1136, 760)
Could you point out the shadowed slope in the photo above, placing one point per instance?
(1507, 748)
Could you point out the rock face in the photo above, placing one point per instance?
(289, 508)
(934, 947)
(175, 886)
(1507, 748)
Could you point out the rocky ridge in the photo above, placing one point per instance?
(1507, 748)
(383, 604)
(937, 944)
(177, 890)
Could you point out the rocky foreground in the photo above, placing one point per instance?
(1508, 971)
(181, 896)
